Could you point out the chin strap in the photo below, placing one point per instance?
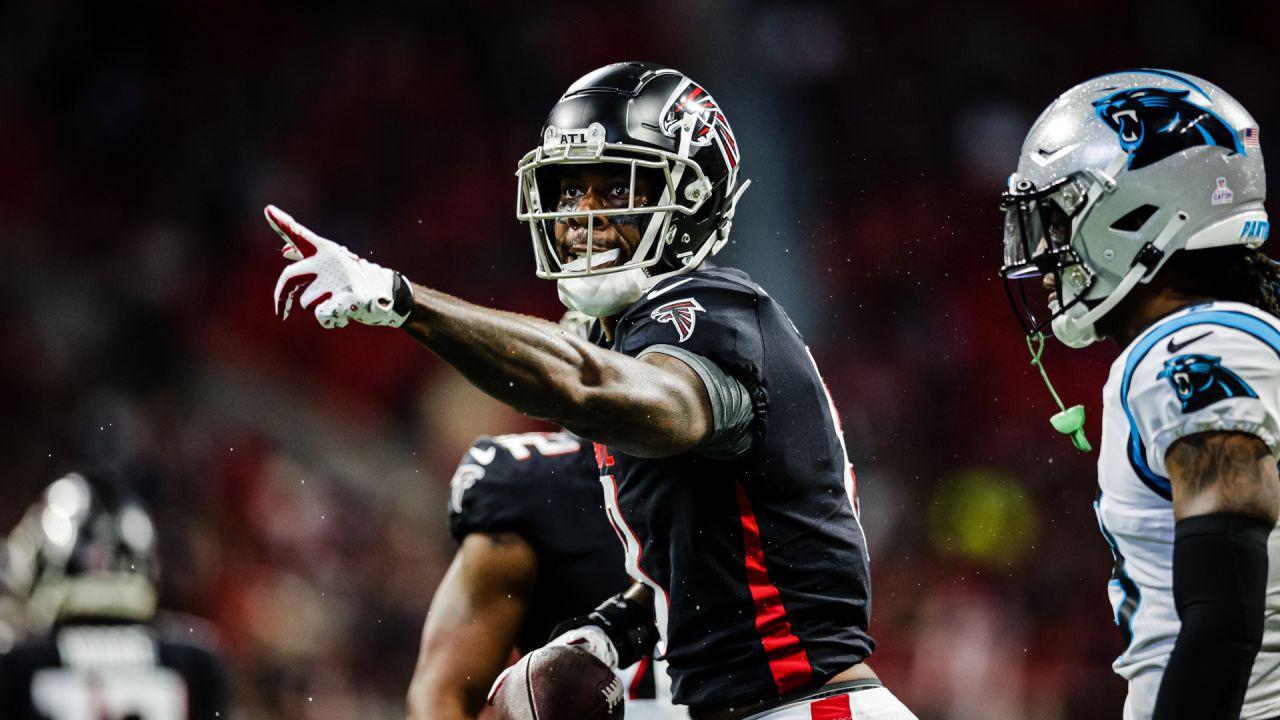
(713, 244)
(1147, 259)
(726, 221)
(1068, 421)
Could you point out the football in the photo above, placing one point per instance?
(559, 682)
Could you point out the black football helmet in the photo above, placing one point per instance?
(83, 550)
(648, 118)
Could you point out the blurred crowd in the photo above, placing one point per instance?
(299, 477)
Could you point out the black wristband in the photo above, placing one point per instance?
(627, 623)
(1219, 586)
(401, 295)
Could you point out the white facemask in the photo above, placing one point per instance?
(603, 295)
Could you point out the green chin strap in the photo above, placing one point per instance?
(1068, 421)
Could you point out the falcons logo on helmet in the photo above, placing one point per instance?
(679, 313)
(710, 126)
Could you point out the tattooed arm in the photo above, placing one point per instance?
(1227, 472)
(1225, 499)
(472, 626)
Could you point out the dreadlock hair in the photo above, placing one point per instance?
(1234, 272)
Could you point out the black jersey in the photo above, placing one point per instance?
(544, 488)
(83, 670)
(758, 564)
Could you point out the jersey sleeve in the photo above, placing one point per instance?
(1217, 379)
(494, 488)
(716, 318)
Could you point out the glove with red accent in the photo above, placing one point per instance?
(333, 282)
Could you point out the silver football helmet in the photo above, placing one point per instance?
(1116, 175)
(81, 551)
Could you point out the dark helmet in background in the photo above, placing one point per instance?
(84, 550)
(649, 119)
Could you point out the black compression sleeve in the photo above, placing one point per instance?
(1219, 587)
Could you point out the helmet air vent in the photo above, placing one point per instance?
(1133, 220)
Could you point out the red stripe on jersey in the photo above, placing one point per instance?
(617, 530)
(787, 659)
(633, 692)
(832, 708)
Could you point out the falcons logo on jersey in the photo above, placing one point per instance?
(680, 313)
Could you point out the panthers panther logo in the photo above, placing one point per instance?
(1200, 381)
(1154, 123)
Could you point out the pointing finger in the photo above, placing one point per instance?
(302, 239)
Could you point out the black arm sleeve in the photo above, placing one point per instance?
(1219, 586)
(628, 623)
(731, 408)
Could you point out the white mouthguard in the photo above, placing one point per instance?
(597, 259)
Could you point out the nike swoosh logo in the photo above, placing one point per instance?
(1044, 157)
(484, 457)
(676, 284)
(1174, 347)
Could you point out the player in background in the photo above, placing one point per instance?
(535, 548)
(83, 558)
(722, 463)
(1138, 205)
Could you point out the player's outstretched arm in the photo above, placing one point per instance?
(652, 407)
(472, 626)
(657, 406)
(1226, 497)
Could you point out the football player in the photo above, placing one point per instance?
(1138, 205)
(723, 466)
(83, 559)
(535, 548)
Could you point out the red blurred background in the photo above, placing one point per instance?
(300, 477)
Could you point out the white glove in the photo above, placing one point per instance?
(334, 282)
(591, 638)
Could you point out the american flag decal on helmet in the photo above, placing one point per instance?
(680, 313)
(711, 125)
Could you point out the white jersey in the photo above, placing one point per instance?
(1209, 367)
